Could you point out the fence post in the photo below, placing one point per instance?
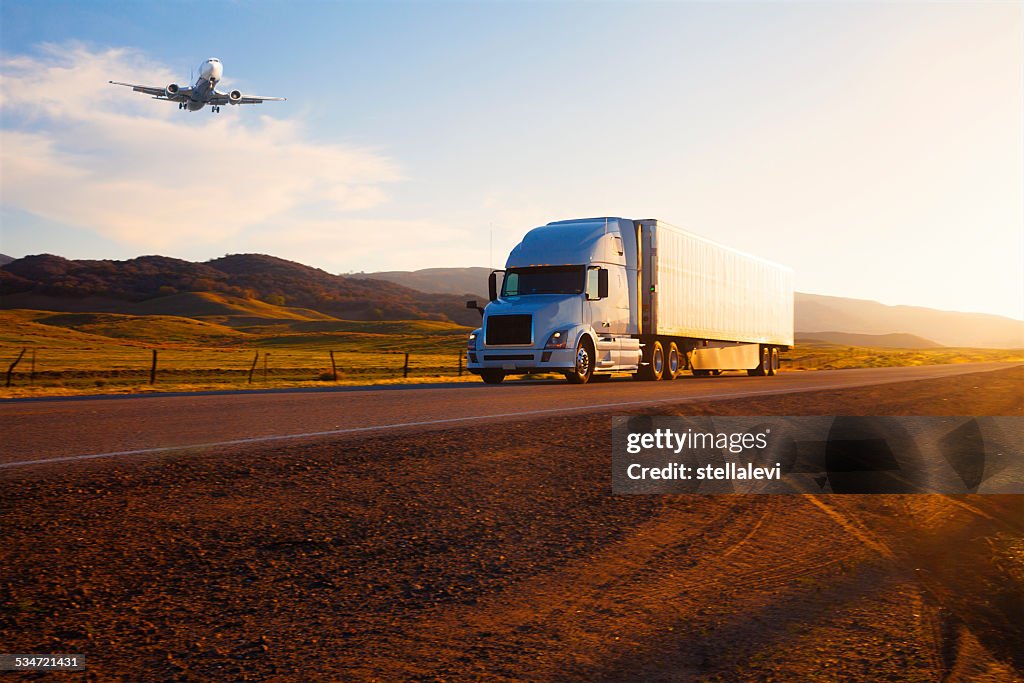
(460, 363)
(334, 368)
(152, 369)
(10, 370)
(405, 370)
(252, 369)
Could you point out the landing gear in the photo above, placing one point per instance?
(215, 108)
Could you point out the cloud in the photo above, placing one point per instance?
(83, 153)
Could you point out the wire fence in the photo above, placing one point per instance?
(34, 366)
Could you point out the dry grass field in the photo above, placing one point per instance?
(106, 352)
(89, 353)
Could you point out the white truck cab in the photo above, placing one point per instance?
(581, 297)
(564, 304)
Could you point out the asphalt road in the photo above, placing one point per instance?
(38, 432)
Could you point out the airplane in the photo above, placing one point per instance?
(203, 92)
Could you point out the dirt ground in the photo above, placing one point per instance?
(497, 552)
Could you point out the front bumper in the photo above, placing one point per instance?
(520, 360)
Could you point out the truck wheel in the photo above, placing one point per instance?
(584, 369)
(492, 376)
(672, 362)
(655, 363)
(773, 365)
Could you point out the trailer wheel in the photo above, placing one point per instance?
(492, 376)
(773, 365)
(672, 364)
(762, 368)
(584, 369)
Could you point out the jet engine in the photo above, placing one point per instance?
(171, 90)
(235, 96)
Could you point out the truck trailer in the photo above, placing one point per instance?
(596, 296)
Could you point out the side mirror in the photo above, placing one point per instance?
(492, 285)
(602, 283)
(472, 304)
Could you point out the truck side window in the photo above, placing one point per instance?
(592, 275)
(510, 287)
(618, 246)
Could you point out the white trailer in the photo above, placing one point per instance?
(736, 307)
(595, 296)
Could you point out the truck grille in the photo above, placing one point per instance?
(509, 329)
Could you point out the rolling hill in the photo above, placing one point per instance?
(255, 289)
(813, 313)
(949, 328)
(54, 283)
(465, 281)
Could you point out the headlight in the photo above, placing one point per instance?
(557, 340)
(472, 341)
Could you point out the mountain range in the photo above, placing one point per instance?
(158, 283)
(837, 320)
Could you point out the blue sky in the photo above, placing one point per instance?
(875, 148)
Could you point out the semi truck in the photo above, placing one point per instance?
(595, 296)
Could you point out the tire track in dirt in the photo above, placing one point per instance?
(647, 585)
(852, 528)
(957, 650)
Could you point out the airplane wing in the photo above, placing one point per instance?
(158, 93)
(226, 98)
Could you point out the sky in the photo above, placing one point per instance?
(875, 148)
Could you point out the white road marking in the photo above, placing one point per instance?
(450, 420)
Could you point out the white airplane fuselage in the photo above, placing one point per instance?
(210, 73)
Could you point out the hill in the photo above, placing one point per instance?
(54, 283)
(876, 341)
(948, 328)
(5, 259)
(813, 313)
(246, 289)
(465, 281)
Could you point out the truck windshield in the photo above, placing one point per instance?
(543, 280)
